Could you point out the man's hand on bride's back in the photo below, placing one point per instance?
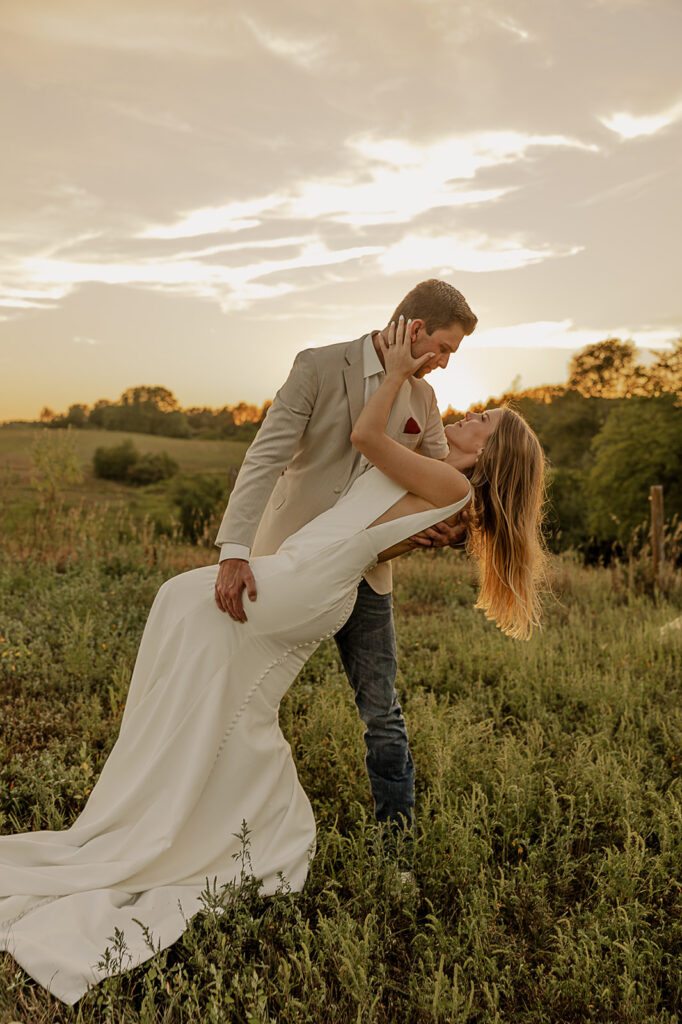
(443, 534)
(234, 574)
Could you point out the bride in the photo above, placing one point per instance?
(200, 749)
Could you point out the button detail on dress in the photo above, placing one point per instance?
(337, 490)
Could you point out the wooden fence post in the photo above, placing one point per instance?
(657, 551)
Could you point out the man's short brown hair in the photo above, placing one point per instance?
(438, 304)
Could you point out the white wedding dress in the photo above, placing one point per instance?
(199, 751)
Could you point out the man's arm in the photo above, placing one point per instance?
(271, 450)
(409, 544)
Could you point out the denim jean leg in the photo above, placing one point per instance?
(367, 647)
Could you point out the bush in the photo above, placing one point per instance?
(200, 499)
(123, 462)
(113, 463)
(149, 469)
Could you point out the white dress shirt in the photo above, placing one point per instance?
(373, 372)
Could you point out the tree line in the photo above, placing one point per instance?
(155, 410)
(610, 432)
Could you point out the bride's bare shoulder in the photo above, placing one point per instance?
(405, 506)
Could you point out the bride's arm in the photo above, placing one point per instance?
(439, 483)
(405, 546)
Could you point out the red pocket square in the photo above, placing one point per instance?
(412, 427)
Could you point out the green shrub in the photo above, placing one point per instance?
(149, 469)
(113, 463)
(200, 499)
(123, 462)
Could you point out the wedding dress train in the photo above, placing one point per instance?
(199, 752)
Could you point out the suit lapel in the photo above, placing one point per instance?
(399, 413)
(353, 376)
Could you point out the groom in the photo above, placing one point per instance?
(301, 462)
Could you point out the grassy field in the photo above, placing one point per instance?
(20, 498)
(193, 456)
(549, 793)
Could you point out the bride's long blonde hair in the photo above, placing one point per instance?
(505, 534)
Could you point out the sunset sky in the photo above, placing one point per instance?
(194, 191)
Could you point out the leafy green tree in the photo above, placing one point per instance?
(665, 374)
(607, 370)
(174, 424)
(224, 422)
(97, 415)
(245, 413)
(639, 445)
(158, 397)
(77, 416)
(567, 426)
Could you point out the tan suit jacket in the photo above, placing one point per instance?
(301, 459)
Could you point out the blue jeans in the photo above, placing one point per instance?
(367, 647)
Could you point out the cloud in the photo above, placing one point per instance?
(389, 181)
(210, 220)
(386, 182)
(625, 189)
(232, 287)
(127, 27)
(477, 254)
(563, 334)
(79, 340)
(509, 25)
(629, 126)
(155, 119)
(306, 53)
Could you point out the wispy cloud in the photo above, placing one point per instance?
(389, 181)
(625, 189)
(509, 25)
(210, 220)
(476, 254)
(629, 126)
(232, 287)
(155, 119)
(306, 53)
(386, 182)
(563, 334)
(122, 26)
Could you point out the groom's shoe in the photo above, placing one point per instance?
(398, 843)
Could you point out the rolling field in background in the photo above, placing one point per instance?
(548, 851)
